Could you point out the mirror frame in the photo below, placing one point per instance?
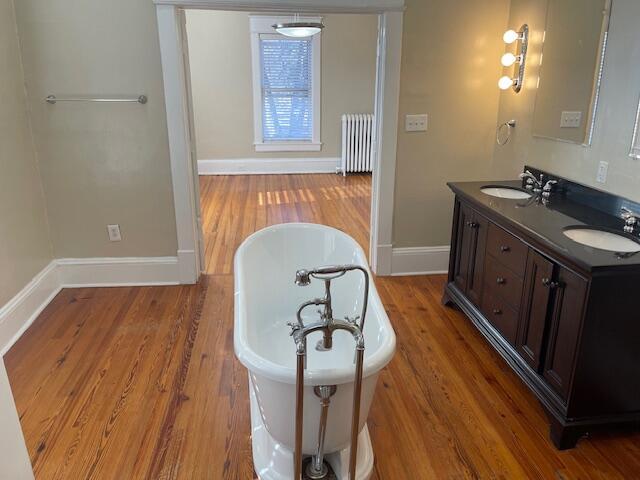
(598, 74)
(635, 141)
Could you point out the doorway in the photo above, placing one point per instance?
(275, 121)
(172, 32)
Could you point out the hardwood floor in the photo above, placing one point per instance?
(142, 383)
(233, 207)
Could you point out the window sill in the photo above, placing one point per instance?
(288, 147)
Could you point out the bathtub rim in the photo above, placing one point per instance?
(261, 366)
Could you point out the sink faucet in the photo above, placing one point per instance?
(630, 219)
(531, 182)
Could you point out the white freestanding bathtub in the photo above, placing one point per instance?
(266, 299)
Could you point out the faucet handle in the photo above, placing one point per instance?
(353, 320)
(630, 219)
(294, 327)
(626, 213)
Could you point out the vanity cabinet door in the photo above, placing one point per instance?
(469, 254)
(535, 308)
(463, 246)
(475, 278)
(566, 320)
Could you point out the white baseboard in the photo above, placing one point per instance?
(20, 312)
(118, 271)
(266, 166)
(383, 263)
(420, 260)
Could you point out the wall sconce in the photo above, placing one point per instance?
(509, 59)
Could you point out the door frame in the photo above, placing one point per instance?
(179, 124)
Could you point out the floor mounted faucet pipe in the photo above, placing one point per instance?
(355, 420)
(318, 469)
(297, 454)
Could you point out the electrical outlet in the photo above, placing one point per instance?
(570, 119)
(603, 167)
(114, 233)
(415, 123)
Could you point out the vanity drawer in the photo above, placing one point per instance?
(502, 316)
(507, 249)
(503, 282)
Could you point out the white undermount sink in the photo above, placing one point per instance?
(505, 192)
(603, 240)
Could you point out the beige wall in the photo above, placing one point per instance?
(24, 238)
(569, 70)
(100, 163)
(450, 67)
(614, 122)
(220, 58)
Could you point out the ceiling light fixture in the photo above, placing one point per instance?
(298, 28)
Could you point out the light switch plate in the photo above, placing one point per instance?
(416, 123)
(570, 119)
(114, 233)
(603, 167)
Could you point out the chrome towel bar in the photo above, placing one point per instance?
(52, 99)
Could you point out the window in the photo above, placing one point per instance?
(286, 77)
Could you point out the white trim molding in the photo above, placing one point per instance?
(288, 6)
(266, 166)
(386, 140)
(19, 313)
(183, 175)
(288, 146)
(420, 260)
(118, 271)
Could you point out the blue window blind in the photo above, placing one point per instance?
(287, 106)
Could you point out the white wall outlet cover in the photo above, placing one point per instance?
(114, 233)
(416, 123)
(601, 176)
(570, 119)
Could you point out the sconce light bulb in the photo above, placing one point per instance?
(505, 83)
(510, 36)
(508, 59)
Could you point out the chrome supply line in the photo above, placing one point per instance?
(142, 99)
(327, 325)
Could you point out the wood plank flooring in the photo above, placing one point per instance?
(142, 383)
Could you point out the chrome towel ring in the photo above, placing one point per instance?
(501, 139)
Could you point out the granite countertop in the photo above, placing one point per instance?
(546, 223)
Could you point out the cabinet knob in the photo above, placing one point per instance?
(497, 311)
(505, 248)
(500, 281)
(547, 282)
(472, 225)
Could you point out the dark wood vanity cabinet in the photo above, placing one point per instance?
(533, 307)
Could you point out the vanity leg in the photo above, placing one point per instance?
(564, 437)
(447, 301)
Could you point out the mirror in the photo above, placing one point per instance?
(571, 68)
(635, 144)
